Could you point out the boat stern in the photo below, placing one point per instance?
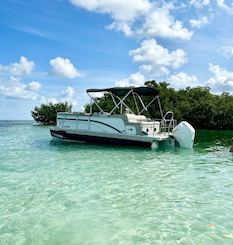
(184, 134)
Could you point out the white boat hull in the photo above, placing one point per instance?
(121, 130)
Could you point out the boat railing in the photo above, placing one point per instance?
(168, 122)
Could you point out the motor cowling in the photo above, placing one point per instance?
(184, 133)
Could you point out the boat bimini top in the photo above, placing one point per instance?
(120, 94)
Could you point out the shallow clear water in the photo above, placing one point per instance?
(53, 193)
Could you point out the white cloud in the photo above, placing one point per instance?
(121, 26)
(44, 100)
(200, 3)
(126, 11)
(156, 59)
(138, 17)
(64, 67)
(23, 67)
(227, 51)
(223, 5)
(68, 95)
(199, 22)
(34, 86)
(182, 80)
(222, 79)
(69, 92)
(136, 79)
(15, 88)
(160, 23)
(13, 85)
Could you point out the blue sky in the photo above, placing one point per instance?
(54, 50)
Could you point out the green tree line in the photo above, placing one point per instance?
(198, 105)
(46, 114)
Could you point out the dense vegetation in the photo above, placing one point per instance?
(198, 106)
(46, 114)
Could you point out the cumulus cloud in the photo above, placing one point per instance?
(138, 17)
(126, 11)
(182, 80)
(222, 79)
(34, 86)
(160, 23)
(13, 86)
(156, 59)
(69, 92)
(199, 22)
(23, 67)
(68, 95)
(17, 89)
(44, 100)
(121, 26)
(64, 67)
(136, 79)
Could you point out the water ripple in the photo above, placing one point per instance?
(52, 193)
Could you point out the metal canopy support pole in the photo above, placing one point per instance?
(135, 103)
(121, 101)
(149, 104)
(144, 108)
(125, 105)
(114, 101)
(160, 108)
(90, 111)
(96, 104)
(121, 107)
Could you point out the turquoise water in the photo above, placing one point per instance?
(53, 193)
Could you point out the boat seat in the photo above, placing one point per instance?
(136, 118)
(151, 123)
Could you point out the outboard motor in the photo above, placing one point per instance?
(184, 134)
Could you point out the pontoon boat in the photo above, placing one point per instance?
(124, 125)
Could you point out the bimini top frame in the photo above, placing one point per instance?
(120, 94)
